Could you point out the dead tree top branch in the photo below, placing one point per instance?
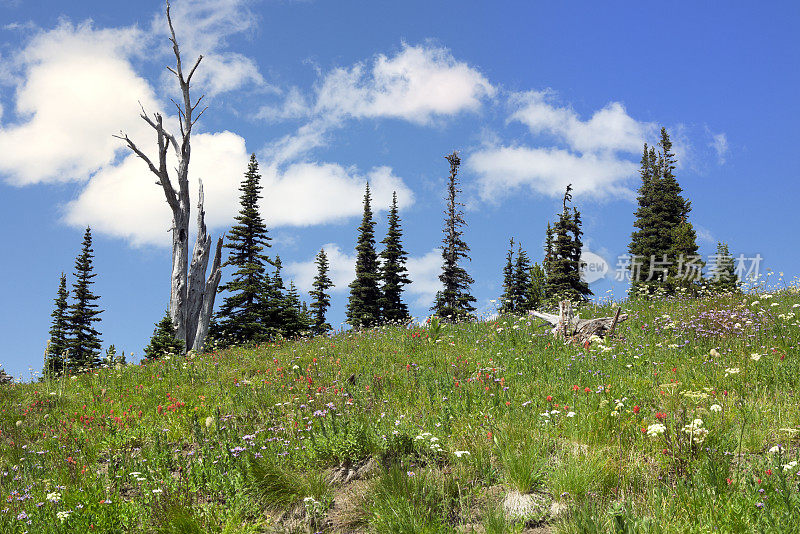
(191, 295)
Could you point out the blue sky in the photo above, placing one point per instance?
(534, 95)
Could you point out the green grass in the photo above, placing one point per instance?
(246, 439)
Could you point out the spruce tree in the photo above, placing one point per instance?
(58, 346)
(507, 298)
(239, 316)
(84, 339)
(454, 301)
(521, 281)
(272, 297)
(563, 253)
(393, 272)
(664, 243)
(163, 341)
(723, 277)
(321, 300)
(363, 307)
(295, 321)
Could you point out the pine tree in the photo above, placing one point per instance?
(163, 341)
(723, 275)
(273, 303)
(321, 300)
(521, 281)
(454, 301)
(294, 323)
(507, 298)
(665, 242)
(57, 347)
(363, 307)
(84, 339)
(562, 256)
(240, 314)
(393, 272)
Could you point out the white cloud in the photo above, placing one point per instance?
(719, 142)
(504, 169)
(424, 273)
(305, 194)
(79, 88)
(609, 129)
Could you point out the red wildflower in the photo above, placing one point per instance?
(549, 398)
(635, 409)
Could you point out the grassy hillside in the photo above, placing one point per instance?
(688, 421)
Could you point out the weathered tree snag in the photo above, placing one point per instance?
(191, 297)
(566, 325)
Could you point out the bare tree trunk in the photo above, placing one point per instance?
(191, 297)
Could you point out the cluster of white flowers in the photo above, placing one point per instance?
(696, 431)
(54, 496)
(791, 465)
(433, 441)
(777, 449)
(313, 506)
(655, 429)
(138, 476)
(63, 515)
(731, 371)
(755, 356)
(459, 454)
(715, 408)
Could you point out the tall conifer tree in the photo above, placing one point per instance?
(536, 295)
(239, 316)
(321, 300)
(393, 272)
(59, 343)
(84, 339)
(521, 281)
(454, 301)
(363, 307)
(563, 255)
(163, 341)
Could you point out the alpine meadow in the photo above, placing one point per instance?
(399, 268)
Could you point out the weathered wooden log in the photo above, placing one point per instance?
(570, 327)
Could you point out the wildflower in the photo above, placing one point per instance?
(731, 371)
(571, 414)
(755, 356)
(790, 465)
(635, 409)
(209, 421)
(661, 416)
(18, 423)
(54, 497)
(157, 491)
(776, 449)
(63, 515)
(714, 353)
(459, 454)
(549, 398)
(656, 429)
(715, 408)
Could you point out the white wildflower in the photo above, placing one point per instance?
(715, 408)
(656, 429)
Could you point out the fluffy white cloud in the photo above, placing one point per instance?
(305, 194)
(424, 273)
(78, 89)
(548, 171)
(609, 129)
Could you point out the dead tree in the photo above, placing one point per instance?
(192, 295)
(569, 327)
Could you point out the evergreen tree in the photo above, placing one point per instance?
(240, 314)
(665, 242)
(454, 301)
(321, 300)
(59, 344)
(393, 272)
(723, 274)
(507, 298)
(273, 313)
(294, 323)
(363, 307)
(163, 341)
(521, 281)
(563, 253)
(84, 339)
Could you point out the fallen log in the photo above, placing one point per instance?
(570, 327)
